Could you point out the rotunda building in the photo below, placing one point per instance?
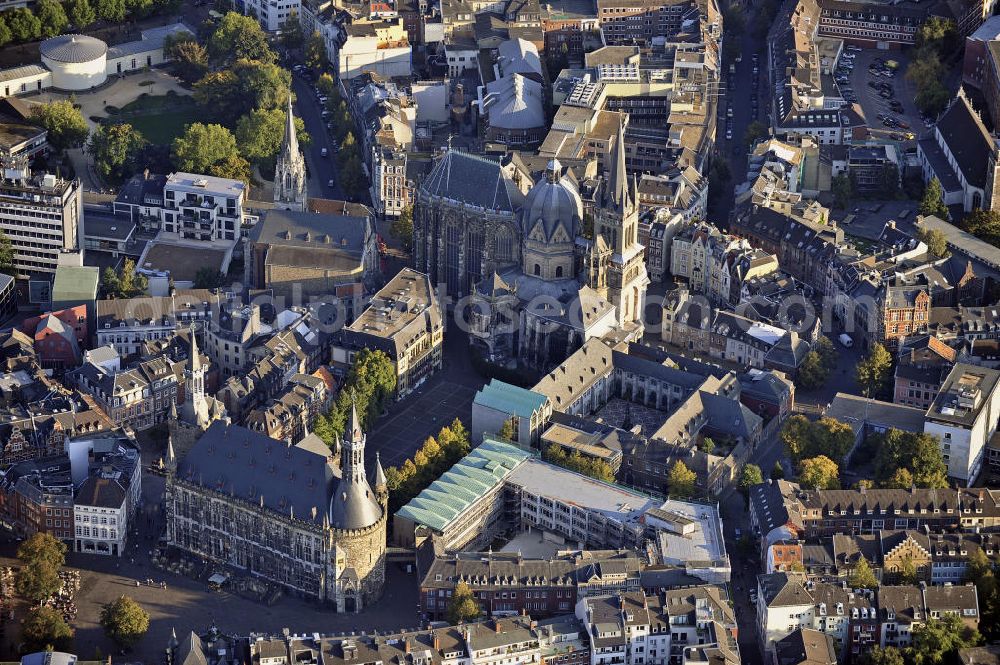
(77, 62)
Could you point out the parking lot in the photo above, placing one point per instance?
(885, 97)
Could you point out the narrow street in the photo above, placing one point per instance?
(321, 169)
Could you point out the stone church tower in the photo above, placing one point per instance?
(290, 169)
(357, 526)
(617, 222)
(199, 410)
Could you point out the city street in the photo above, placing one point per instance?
(321, 169)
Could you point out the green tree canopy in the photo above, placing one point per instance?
(41, 557)
(229, 94)
(874, 371)
(507, 432)
(291, 32)
(259, 134)
(843, 191)
(202, 146)
(936, 241)
(45, 628)
(233, 167)
(315, 53)
(24, 25)
(886, 656)
(81, 13)
(755, 131)
(463, 605)
(938, 640)
(190, 58)
(681, 481)
(750, 475)
(112, 11)
(7, 266)
(64, 123)
(239, 37)
(819, 472)
(862, 577)
(574, 461)
(124, 621)
(52, 17)
(911, 458)
(984, 224)
(932, 202)
(6, 36)
(805, 439)
(115, 150)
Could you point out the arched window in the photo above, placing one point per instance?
(559, 271)
(538, 269)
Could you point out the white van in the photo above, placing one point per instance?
(846, 340)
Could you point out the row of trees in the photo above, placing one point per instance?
(351, 173)
(574, 461)
(936, 39)
(369, 385)
(845, 188)
(434, 457)
(48, 18)
(44, 628)
(934, 642)
(908, 459)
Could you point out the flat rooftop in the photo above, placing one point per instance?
(106, 226)
(205, 184)
(405, 298)
(182, 262)
(963, 394)
(612, 501)
(702, 544)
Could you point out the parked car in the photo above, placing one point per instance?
(324, 152)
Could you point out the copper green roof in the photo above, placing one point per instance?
(510, 399)
(450, 495)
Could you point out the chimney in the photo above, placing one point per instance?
(496, 625)
(406, 645)
(437, 642)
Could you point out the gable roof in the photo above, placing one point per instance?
(968, 140)
(474, 180)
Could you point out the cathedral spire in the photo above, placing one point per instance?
(194, 361)
(290, 143)
(355, 425)
(617, 191)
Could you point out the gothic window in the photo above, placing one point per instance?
(538, 269)
(453, 243)
(559, 271)
(474, 263)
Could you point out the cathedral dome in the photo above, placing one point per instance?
(554, 200)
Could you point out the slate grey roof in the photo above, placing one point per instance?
(474, 180)
(73, 48)
(553, 200)
(234, 460)
(784, 589)
(967, 139)
(312, 230)
(101, 492)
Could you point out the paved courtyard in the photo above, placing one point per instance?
(617, 411)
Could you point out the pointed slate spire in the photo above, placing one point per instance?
(290, 143)
(617, 191)
(355, 425)
(194, 362)
(380, 481)
(171, 456)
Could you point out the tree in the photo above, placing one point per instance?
(862, 577)
(707, 445)
(755, 131)
(812, 373)
(507, 432)
(828, 437)
(463, 605)
(44, 628)
(24, 26)
(315, 53)
(940, 34)
(750, 475)
(979, 571)
(202, 146)
(936, 241)
(259, 134)
(229, 94)
(938, 640)
(112, 11)
(233, 167)
(291, 32)
(131, 283)
(574, 461)
(777, 471)
(874, 371)
(115, 150)
(908, 572)
(402, 229)
(888, 181)
(110, 285)
(208, 278)
(81, 14)
(352, 177)
(843, 191)
(681, 481)
(52, 17)
(41, 557)
(819, 473)
(7, 266)
(124, 621)
(904, 459)
(64, 123)
(886, 656)
(190, 58)
(237, 37)
(932, 202)
(984, 224)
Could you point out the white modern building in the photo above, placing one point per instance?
(271, 13)
(81, 62)
(106, 502)
(203, 207)
(964, 417)
(43, 218)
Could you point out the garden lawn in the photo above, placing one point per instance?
(160, 118)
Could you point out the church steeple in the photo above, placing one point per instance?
(617, 195)
(290, 169)
(354, 504)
